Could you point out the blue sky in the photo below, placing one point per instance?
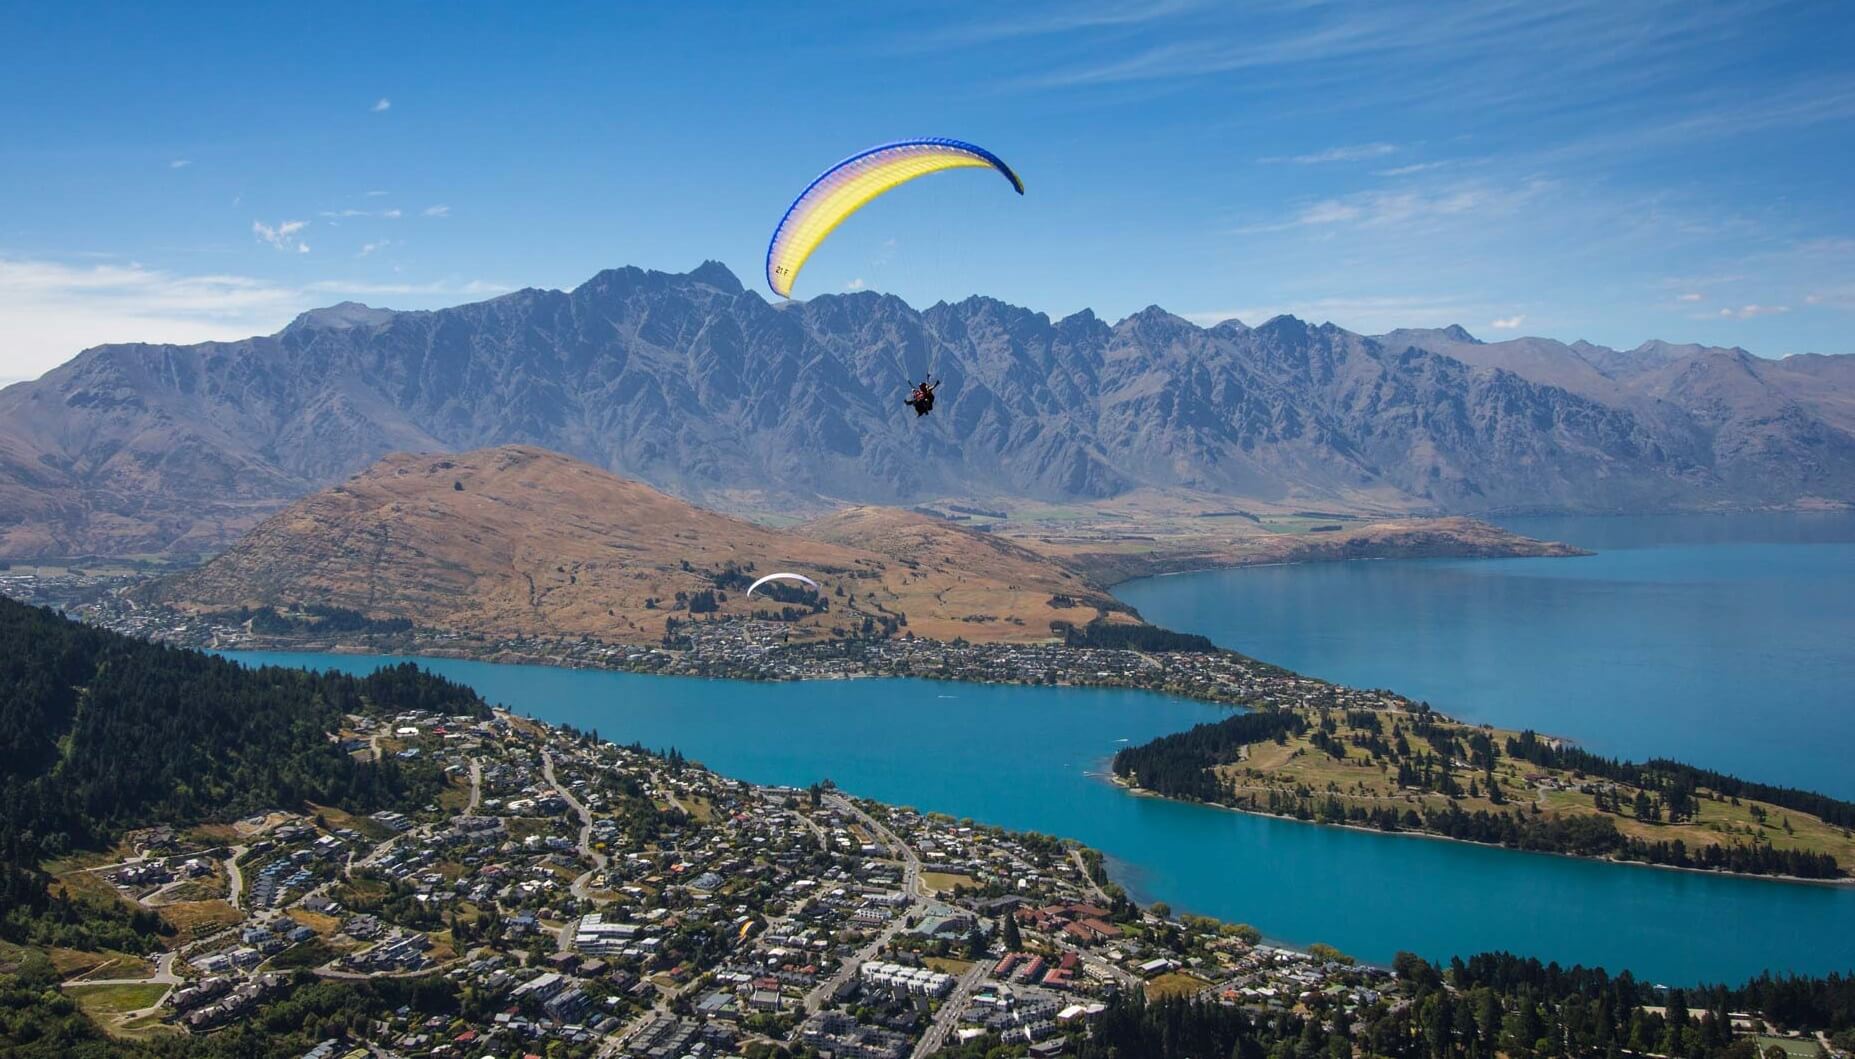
(1611, 171)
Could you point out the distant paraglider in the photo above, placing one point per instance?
(781, 577)
(852, 184)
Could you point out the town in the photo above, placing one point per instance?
(630, 904)
(740, 649)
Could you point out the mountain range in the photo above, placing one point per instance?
(699, 387)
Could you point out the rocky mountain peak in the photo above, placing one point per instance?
(340, 317)
(717, 275)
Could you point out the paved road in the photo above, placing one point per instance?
(235, 879)
(911, 876)
(949, 1014)
(1075, 855)
(911, 864)
(823, 990)
(476, 786)
(580, 887)
(164, 975)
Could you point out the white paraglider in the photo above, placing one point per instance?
(781, 577)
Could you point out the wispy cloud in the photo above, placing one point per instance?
(1354, 153)
(391, 215)
(369, 248)
(470, 288)
(1409, 207)
(1415, 167)
(1841, 296)
(1690, 296)
(180, 163)
(54, 309)
(1329, 34)
(1508, 323)
(283, 235)
(440, 210)
(381, 104)
(1064, 18)
(855, 284)
(1746, 312)
(375, 194)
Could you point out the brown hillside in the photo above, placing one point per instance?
(521, 541)
(968, 571)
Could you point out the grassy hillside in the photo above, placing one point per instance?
(518, 541)
(1415, 770)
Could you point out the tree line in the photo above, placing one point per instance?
(1661, 774)
(101, 733)
(1181, 765)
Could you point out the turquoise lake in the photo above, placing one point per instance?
(1032, 758)
(1726, 641)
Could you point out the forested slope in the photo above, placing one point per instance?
(100, 733)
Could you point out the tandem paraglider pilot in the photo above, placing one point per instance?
(922, 399)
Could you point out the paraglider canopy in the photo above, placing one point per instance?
(781, 577)
(851, 184)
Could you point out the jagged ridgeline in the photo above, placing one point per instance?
(704, 390)
(100, 733)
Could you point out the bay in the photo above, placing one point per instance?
(1033, 757)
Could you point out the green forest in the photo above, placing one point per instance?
(101, 733)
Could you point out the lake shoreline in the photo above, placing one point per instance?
(1137, 791)
(507, 658)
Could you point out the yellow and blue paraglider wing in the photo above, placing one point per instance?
(851, 184)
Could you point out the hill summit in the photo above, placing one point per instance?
(520, 541)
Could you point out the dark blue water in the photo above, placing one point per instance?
(1031, 758)
(1727, 641)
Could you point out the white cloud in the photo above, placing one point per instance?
(1354, 153)
(1329, 212)
(855, 284)
(1837, 296)
(1690, 296)
(283, 236)
(1508, 323)
(375, 194)
(391, 215)
(1415, 167)
(1067, 19)
(180, 163)
(437, 287)
(368, 248)
(53, 309)
(382, 104)
(1746, 312)
(440, 210)
(1408, 208)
